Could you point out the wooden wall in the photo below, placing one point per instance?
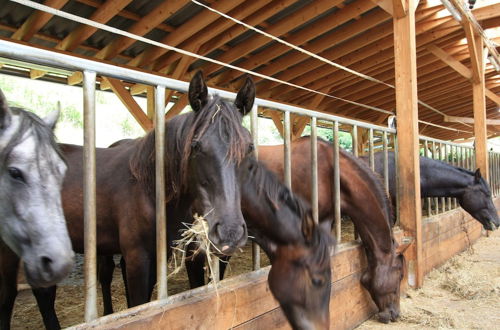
(244, 302)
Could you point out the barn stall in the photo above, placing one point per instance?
(345, 66)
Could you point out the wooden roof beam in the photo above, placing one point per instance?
(195, 24)
(324, 24)
(36, 21)
(469, 120)
(282, 27)
(129, 102)
(252, 13)
(103, 14)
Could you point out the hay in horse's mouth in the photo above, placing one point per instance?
(196, 233)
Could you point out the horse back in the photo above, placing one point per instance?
(121, 204)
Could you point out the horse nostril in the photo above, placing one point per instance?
(46, 263)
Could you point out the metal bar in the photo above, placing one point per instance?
(441, 158)
(396, 166)
(354, 135)
(89, 196)
(455, 163)
(287, 149)
(254, 128)
(371, 151)
(448, 160)
(428, 199)
(336, 182)
(161, 219)
(314, 169)
(386, 161)
(434, 156)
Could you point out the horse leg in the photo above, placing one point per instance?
(105, 269)
(123, 268)
(9, 266)
(138, 266)
(195, 268)
(222, 266)
(45, 299)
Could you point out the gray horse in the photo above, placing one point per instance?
(32, 222)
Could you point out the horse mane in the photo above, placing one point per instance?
(180, 134)
(276, 192)
(43, 135)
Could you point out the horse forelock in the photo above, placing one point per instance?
(29, 125)
(220, 116)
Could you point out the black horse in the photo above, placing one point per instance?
(439, 179)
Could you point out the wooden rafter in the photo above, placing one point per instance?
(36, 21)
(129, 102)
(469, 120)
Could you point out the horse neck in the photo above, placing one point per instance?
(364, 200)
(439, 179)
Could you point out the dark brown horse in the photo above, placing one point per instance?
(364, 200)
(299, 250)
(438, 179)
(203, 150)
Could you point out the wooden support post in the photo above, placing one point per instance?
(181, 103)
(151, 104)
(276, 117)
(405, 62)
(478, 96)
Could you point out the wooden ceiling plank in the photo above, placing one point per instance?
(475, 61)
(130, 103)
(36, 21)
(222, 26)
(126, 14)
(195, 24)
(141, 27)
(492, 96)
(280, 28)
(386, 5)
(324, 24)
(102, 14)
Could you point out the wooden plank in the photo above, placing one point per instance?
(400, 8)
(448, 59)
(386, 5)
(276, 118)
(408, 155)
(36, 21)
(35, 74)
(150, 93)
(181, 103)
(475, 57)
(468, 120)
(130, 103)
(479, 105)
(492, 96)
(104, 12)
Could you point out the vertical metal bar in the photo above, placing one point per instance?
(314, 169)
(396, 164)
(161, 219)
(434, 156)
(254, 129)
(441, 157)
(428, 200)
(355, 140)
(386, 161)
(455, 163)
(287, 150)
(371, 151)
(89, 196)
(448, 160)
(336, 181)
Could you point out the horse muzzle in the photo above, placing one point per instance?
(47, 270)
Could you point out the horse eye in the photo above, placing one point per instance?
(195, 146)
(16, 174)
(318, 281)
(251, 148)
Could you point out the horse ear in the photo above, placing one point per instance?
(477, 175)
(198, 92)
(51, 119)
(5, 113)
(400, 249)
(246, 97)
(308, 227)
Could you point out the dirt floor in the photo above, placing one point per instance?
(464, 293)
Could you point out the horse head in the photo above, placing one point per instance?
(218, 144)
(383, 283)
(300, 277)
(32, 222)
(476, 200)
